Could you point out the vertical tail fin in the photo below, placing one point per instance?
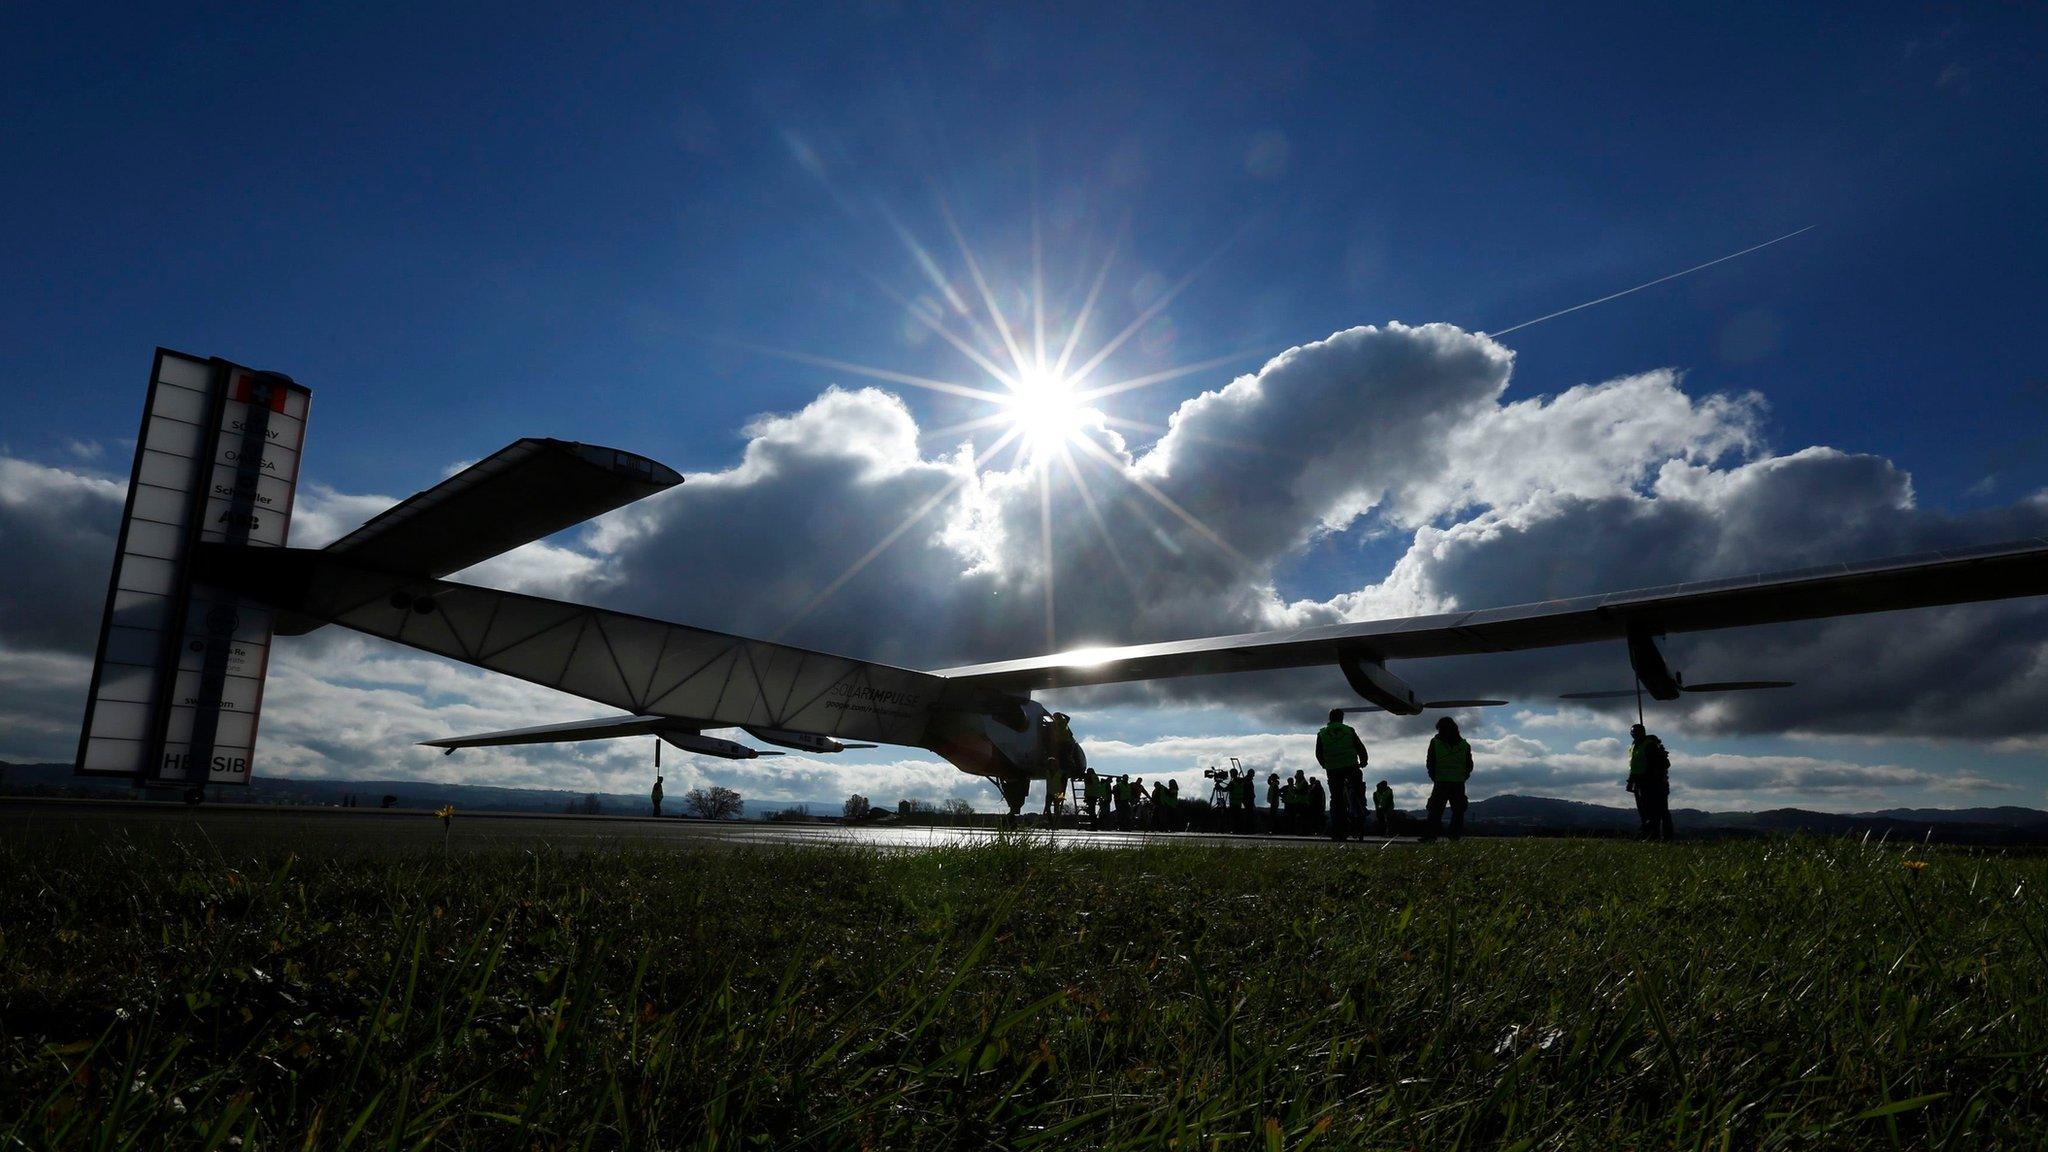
(177, 681)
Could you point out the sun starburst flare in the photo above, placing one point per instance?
(1049, 407)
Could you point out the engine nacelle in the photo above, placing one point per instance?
(1646, 656)
(800, 741)
(1371, 680)
(712, 745)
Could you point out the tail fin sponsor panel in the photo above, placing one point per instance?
(177, 682)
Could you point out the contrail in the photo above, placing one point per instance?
(1649, 284)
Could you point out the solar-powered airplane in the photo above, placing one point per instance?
(203, 579)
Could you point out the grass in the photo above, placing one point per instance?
(155, 993)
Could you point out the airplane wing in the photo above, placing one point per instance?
(1994, 572)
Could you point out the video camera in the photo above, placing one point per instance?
(1216, 773)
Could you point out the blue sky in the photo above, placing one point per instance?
(464, 225)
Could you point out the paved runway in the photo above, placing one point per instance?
(271, 826)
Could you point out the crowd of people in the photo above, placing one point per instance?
(1335, 805)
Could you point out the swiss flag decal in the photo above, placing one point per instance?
(252, 389)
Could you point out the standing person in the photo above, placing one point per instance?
(1162, 815)
(1060, 751)
(657, 796)
(1094, 791)
(1449, 765)
(1272, 803)
(1173, 805)
(1649, 777)
(1383, 807)
(1318, 807)
(1121, 793)
(1342, 755)
(1073, 758)
(1301, 799)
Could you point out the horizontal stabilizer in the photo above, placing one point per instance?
(526, 491)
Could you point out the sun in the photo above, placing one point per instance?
(1037, 394)
(1046, 411)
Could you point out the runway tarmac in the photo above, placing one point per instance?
(380, 831)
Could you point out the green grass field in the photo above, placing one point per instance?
(1518, 994)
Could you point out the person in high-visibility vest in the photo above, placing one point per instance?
(1059, 735)
(1649, 777)
(1094, 792)
(1383, 807)
(1342, 755)
(1449, 765)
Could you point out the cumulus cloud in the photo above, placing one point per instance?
(57, 528)
(841, 526)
